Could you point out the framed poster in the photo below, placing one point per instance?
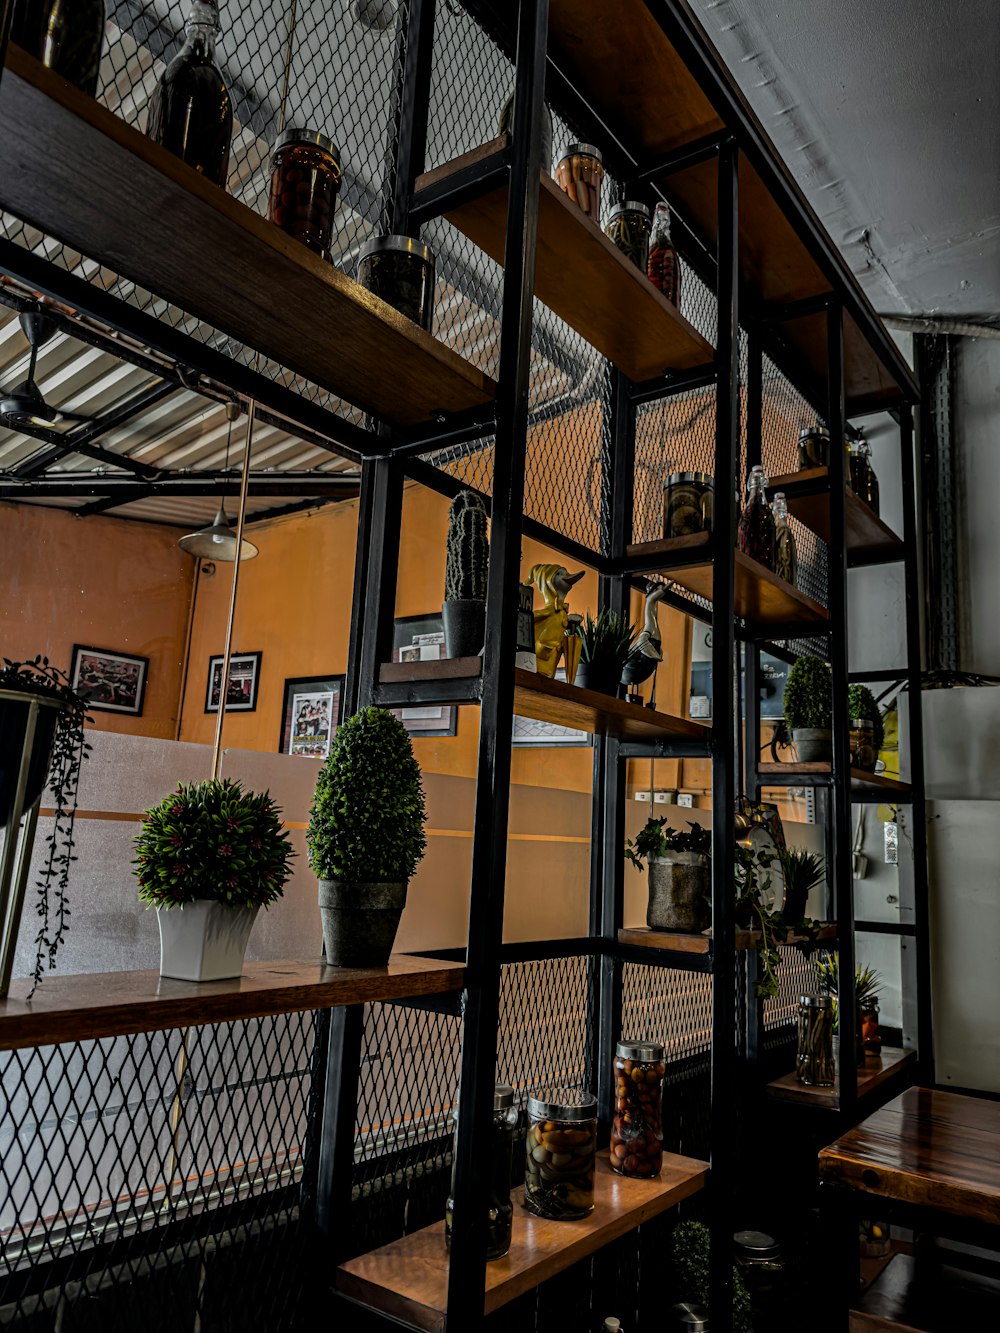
(529, 731)
(421, 639)
(244, 678)
(310, 714)
(111, 682)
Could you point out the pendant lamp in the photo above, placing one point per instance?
(218, 540)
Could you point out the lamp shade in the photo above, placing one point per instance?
(217, 542)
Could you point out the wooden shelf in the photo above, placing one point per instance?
(680, 942)
(580, 274)
(71, 168)
(111, 1004)
(761, 597)
(868, 539)
(862, 782)
(408, 1279)
(921, 1296)
(457, 680)
(871, 1075)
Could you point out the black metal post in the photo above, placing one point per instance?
(335, 1167)
(6, 15)
(725, 725)
(414, 102)
(754, 399)
(467, 1273)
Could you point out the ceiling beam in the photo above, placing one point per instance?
(121, 489)
(80, 440)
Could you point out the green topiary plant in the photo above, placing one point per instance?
(468, 552)
(212, 840)
(366, 825)
(689, 1242)
(809, 694)
(861, 704)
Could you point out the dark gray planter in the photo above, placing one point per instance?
(360, 921)
(464, 627)
(679, 888)
(601, 678)
(14, 709)
(813, 745)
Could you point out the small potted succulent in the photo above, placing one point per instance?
(803, 872)
(606, 645)
(208, 858)
(366, 836)
(808, 706)
(679, 874)
(467, 566)
(865, 718)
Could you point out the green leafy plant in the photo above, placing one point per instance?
(809, 694)
(689, 1247)
(606, 641)
(656, 839)
(366, 825)
(861, 703)
(867, 981)
(803, 872)
(212, 840)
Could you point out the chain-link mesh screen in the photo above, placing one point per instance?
(796, 976)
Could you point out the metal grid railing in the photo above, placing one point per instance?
(796, 976)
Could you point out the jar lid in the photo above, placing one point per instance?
(816, 1001)
(503, 1096)
(630, 206)
(563, 1104)
(649, 1052)
(692, 1318)
(863, 722)
(405, 245)
(312, 137)
(582, 150)
(756, 1244)
(814, 430)
(702, 478)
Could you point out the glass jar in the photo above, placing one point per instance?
(862, 744)
(874, 1238)
(400, 269)
(500, 1218)
(628, 227)
(688, 501)
(814, 1054)
(757, 527)
(506, 126)
(664, 266)
(871, 1037)
(814, 447)
(305, 182)
(762, 1266)
(66, 38)
(786, 558)
(689, 1318)
(637, 1125)
(560, 1157)
(579, 174)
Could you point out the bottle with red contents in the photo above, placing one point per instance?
(757, 527)
(664, 266)
(637, 1126)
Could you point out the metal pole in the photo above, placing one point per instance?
(14, 863)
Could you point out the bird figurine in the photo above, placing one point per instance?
(553, 582)
(647, 654)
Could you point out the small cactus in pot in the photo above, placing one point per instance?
(466, 570)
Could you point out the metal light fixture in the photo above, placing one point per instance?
(218, 540)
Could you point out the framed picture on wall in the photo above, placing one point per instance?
(244, 678)
(310, 714)
(421, 639)
(112, 682)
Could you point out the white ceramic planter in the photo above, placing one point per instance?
(204, 940)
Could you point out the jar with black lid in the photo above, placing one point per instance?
(814, 447)
(762, 1267)
(305, 182)
(500, 1218)
(688, 502)
(629, 227)
(400, 269)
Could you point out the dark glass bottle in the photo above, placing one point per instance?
(864, 482)
(756, 536)
(190, 111)
(65, 35)
(664, 266)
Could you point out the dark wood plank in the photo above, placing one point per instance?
(408, 1279)
(868, 538)
(925, 1297)
(933, 1149)
(652, 553)
(861, 780)
(682, 942)
(111, 1004)
(585, 279)
(871, 1075)
(447, 668)
(70, 167)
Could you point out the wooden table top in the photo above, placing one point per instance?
(936, 1150)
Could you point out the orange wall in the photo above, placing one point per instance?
(103, 583)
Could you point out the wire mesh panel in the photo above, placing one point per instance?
(796, 976)
(546, 1025)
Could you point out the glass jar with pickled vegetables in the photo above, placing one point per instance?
(579, 174)
(664, 266)
(688, 501)
(629, 226)
(786, 559)
(400, 269)
(814, 1054)
(814, 447)
(637, 1125)
(500, 1217)
(561, 1146)
(305, 182)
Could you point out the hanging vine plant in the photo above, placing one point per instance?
(58, 750)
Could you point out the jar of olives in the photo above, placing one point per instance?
(579, 174)
(688, 501)
(637, 1126)
(305, 182)
(400, 269)
(560, 1155)
(814, 447)
(629, 227)
(501, 1211)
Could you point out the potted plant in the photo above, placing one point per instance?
(808, 705)
(803, 872)
(605, 646)
(867, 984)
(366, 836)
(208, 858)
(42, 720)
(466, 568)
(679, 874)
(862, 708)
(689, 1251)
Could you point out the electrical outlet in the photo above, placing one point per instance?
(686, 799)
(664, 797)
(642, 796)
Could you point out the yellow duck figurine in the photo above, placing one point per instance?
(553, 582)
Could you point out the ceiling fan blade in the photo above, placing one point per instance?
(75, 416)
